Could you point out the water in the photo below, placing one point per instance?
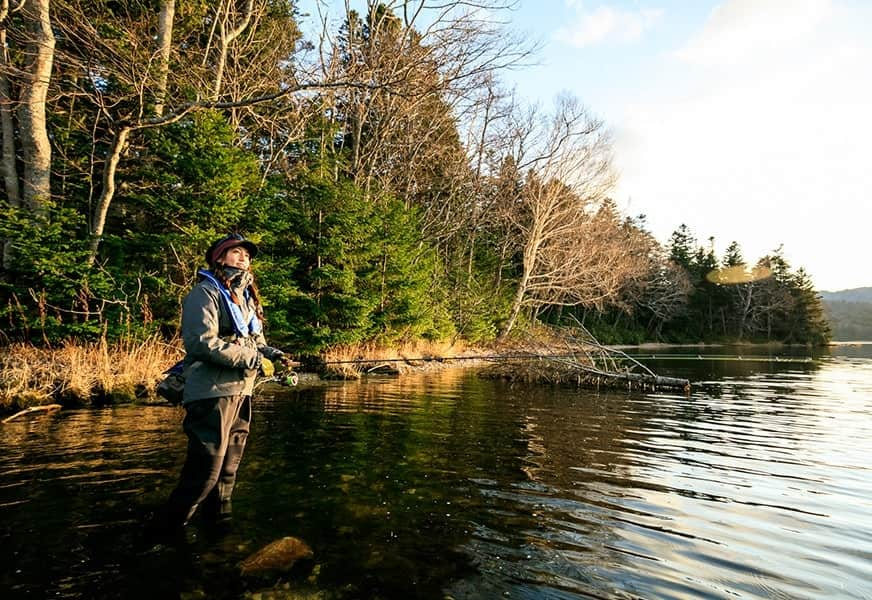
(757, 485)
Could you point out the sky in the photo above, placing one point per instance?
(746, 120)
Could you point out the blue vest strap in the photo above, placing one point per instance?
(242, 328)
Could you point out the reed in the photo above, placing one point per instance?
(352, 360)
(80, 373)
(83, 372)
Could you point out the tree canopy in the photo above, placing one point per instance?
(396, 190)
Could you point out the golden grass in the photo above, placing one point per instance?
(127, 370)
(352, 360)
(81, 372)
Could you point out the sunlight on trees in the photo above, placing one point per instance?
(397, 189)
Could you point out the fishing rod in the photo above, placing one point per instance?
(571, 359)
(354, 361)
(725, 357)
(715, 357)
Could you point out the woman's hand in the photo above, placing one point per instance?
(284, 361)
(267, 369)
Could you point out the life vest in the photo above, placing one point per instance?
(243, 329)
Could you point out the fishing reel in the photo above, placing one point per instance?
(290, 379)
(287, 379)
(287, 374)
(284, 374)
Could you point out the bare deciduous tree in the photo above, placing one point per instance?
(115, 72)
(36, 41)
(663, 293)
(164, 49)
(426, 60)
(570, 237)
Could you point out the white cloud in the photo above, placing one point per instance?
(742, 29)
(607, 24)
(769, 147)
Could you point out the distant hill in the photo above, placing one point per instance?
(849, 313)
(863, 294)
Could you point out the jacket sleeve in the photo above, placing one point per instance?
(268, 351)
(201, 334)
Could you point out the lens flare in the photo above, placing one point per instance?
(738, 274)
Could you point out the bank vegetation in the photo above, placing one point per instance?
(397, 189)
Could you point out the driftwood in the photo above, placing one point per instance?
(32, 409)
(649, 378)
(576, 356)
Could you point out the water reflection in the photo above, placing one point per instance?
(755, 485)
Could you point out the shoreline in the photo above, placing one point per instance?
(99, 373)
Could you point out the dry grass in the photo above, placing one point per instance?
(351, 361)
(79, 373)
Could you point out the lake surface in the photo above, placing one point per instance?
(758, 484)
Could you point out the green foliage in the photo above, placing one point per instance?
(782, 307)
(477, 312)
(372, 224)
(340, 268)
(193, 174)
(608, 328)
(48, 290)
(408, 281)
(808, 321)
(681, 246)
(191, 184)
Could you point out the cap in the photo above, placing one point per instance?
(220, 246)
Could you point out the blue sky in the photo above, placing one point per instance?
(747, 120)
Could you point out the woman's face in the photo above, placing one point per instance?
(237, 257)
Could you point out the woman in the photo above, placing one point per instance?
(225, 349)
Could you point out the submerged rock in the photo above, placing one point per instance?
(278, 555)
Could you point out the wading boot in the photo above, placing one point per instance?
(217, 512)
(162, 528)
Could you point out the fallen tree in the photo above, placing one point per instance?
(575, 356)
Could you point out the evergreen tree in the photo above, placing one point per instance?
(191, 185)
(681, 246)
(733, 255)
(807, 321)
(713, 298)
(775, 301)
(339, 268)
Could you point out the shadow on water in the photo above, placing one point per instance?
(448, 485)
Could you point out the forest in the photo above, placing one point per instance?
(396, 187)
(849, 313)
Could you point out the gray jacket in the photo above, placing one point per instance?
(217, 361)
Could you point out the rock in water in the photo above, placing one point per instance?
(278, 555)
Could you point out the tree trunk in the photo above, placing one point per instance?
(7, 133)
(517, 303)
(7, 129)
(225, 39)
(35, 144)
(108, 191)
(164, 45)
(745, 307)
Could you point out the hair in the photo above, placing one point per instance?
(221, 275)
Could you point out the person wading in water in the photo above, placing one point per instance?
(222, 331)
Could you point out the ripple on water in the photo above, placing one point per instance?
(757, 485)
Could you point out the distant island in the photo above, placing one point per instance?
(849, 313)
